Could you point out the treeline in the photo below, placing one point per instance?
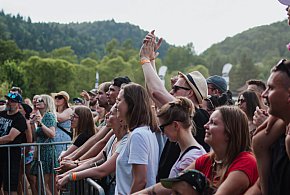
(49, 57)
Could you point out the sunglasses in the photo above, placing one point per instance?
(39, 101)
(59, 97)
(11, 95)
(175, 88)
(73, 116)
(162, 127)
(282, 67)
(241, 101)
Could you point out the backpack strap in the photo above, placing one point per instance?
(187, 150)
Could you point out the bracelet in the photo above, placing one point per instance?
(151, 59)
(74, 176)
(144, 60)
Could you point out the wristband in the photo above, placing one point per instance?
(144, 60)
(74, 176)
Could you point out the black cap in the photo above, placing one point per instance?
(193, 177)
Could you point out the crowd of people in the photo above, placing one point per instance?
(193, 139)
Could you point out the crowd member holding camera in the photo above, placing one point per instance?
(45, 132)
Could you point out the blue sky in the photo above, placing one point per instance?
(202, 22)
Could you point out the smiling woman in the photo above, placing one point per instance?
(231, 158)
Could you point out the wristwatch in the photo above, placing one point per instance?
(39, 125)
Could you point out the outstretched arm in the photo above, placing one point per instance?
(155, 86)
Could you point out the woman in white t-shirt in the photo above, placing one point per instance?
(176, 123)
(137, 164)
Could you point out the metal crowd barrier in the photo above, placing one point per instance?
(40, 178)
(84, 187)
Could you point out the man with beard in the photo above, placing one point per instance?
(272, 142)
(12, 128)
(94, 144)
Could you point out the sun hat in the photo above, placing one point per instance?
(193, 177)
(285, 2)
(219, 82)
(63, 94)
(197, 83)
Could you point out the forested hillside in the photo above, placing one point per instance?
(84, 38)
(49, 57)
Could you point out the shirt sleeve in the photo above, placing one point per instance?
(246, 162)
(139, 149)
(20, 123)
(81, 139)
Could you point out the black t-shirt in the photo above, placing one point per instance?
(16, 121)
(171, 150)
(279, 180)
(81, 139)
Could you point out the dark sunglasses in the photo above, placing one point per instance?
(39, 101)
(162, 127)
(282, 67)
(241, 101)
(175, 88)
(58, 97)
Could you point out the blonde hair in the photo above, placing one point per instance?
(49, 104)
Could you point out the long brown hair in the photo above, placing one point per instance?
(236, 128)
(85, 122)
(139, 108)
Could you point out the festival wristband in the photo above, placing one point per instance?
(144, 60)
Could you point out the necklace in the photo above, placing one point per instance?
(219, 162)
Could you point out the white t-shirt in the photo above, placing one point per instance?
(186, 160)
(141, 148)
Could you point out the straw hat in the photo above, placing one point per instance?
(197, 83)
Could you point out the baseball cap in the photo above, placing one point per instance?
(219, 82)
(78, 100)
(193, 177)
(93, 92)
(285, 2)
(197, 83)
(15, 97)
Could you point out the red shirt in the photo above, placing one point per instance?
(245, 162)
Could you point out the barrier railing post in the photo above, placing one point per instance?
(9, 190)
